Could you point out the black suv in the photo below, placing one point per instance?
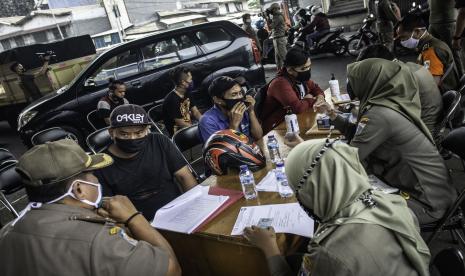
(210, 50)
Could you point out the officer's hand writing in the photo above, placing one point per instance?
(236, 114)
(322, 107)
(265, 239)
(292, 139)
(118, 208)
(251, 102)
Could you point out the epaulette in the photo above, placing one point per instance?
(426, 47)
(94, 219)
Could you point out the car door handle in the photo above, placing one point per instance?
(136, 84)
(200, 64)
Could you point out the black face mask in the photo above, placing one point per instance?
(350, 91)
(115, 98)
(230, 103)
(304, 76)
(131, 145)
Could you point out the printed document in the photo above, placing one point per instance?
(379, 185)
(185, 213)
(268, 183)
(286, 218)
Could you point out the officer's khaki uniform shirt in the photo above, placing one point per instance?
(393, 148)
(350, 249)
(278, 26)
(46, 242)
(430, 98)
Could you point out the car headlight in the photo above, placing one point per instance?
(25, 117)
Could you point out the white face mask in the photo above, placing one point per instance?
(411, 43)
(70, 193)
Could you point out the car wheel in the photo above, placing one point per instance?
(355, 46)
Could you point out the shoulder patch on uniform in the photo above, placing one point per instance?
(126, 237)
(426, 47)
(361, 125)
(306, 267)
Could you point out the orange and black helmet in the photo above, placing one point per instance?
(231, 149)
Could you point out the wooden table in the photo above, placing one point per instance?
(213, 251)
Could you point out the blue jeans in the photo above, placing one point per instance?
(314, 36)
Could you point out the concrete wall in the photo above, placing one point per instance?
(15, 7)
(90, 26)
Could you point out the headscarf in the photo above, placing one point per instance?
(332, 190)
(390, 84)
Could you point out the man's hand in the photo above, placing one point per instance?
(118, 208)
(456, 44)
(292, 139)
(323, 107)
(47, 58)
(251, 102)
(265, 239)
(236, 114)
(309, 96)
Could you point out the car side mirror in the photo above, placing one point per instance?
(90, 82)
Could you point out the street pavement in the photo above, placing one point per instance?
(322, 67)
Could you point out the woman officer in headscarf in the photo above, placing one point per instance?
(361, 231)
(394, 144)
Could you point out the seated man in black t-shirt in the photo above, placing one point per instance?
(114, 98)
(145, 165)
(178, 107)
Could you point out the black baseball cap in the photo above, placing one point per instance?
(129, 115)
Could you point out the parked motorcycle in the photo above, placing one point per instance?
(364, 36)
(331, 42)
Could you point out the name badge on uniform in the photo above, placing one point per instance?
(361, 125)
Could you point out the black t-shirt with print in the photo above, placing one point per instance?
(175, 107)
(146, 179)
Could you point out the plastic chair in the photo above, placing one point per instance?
(186, 139)
(52, 134)
(450, 262)
(99, 140)
(10, 182)
(5, 156)
(449, 70)
(95, 121)
(453, 220)
(156, 115)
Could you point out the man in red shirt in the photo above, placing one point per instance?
(292, 88)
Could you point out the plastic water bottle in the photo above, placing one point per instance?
(283, 187)
(247, 182)
(292, 125)
(334, 86)
(273, 149)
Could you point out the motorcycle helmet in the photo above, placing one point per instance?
(302, 13)
(231, 149)
(316, 10)
(260, 24)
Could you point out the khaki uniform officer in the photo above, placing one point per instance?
(59, 233)
(394, 143)
(278, 31)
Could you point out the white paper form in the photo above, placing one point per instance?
(379, 185)
(287, 218)
(268, 183)
(185, 213)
